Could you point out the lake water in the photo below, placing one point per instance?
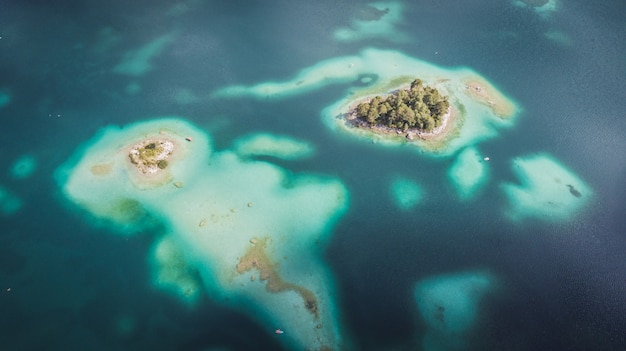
(69, 284)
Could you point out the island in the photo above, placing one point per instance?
(420, 109)
(150, 156)
(477, 109)
(448, 114)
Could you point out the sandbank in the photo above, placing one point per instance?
(475, 115)
(171, 271)
(547, 190)
(468, 173)
(485, 93)
(279, 146)
(251, 231)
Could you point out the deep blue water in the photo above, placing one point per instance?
(564, 284)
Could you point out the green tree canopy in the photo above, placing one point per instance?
(419, 107)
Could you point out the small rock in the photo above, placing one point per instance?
(253, 241)
(250, 204)
(202, 223)
(178, 184)
(573, 191)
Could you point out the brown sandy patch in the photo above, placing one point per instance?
(101, 169)
(487, 94)
(256, 258)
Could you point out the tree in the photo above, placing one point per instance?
(403, 97)
(383, 108)
(407, 115)
(362, 109)
(417, 84)
(372, 115)
(420, 107)
(428, 124)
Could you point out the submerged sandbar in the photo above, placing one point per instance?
(250, 232)
(483, 92)
(478, 110)
(547, 190)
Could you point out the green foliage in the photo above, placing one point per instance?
(162, 164)
(128, 210)
(419, 107)
(149, 151)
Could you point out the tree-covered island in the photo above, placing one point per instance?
(420, 107)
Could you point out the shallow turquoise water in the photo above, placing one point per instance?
(67, 284)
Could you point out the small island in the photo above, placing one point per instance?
(420, 108)
(150, 156)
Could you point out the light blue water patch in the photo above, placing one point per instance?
(5, 98)
(9, 202)
(171, 271)
(547, 190)
(544, 8)
(469, 172)
(185, 96)
(24, 167)
(230, 220)
(133, 88)
(558, 37)
(106, 40)
(449, 304)
(406, 193)
(378, 20)
(137, 62)
(279, 146)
